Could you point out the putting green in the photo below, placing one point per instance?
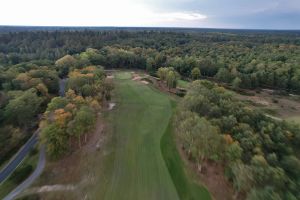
(140, 119)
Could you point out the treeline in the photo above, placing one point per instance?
(259, 154)
(75, 114)
(25, 90)
(252, 59)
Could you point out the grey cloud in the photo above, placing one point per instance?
(277, 14)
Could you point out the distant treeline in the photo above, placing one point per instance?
(247, 58)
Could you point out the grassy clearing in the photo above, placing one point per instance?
(187, 188)
(140, 119)
(183, 84)
(295, 119)
(21, 173)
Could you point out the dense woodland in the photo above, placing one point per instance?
(29, 89)
(260, 154)
(253, 58)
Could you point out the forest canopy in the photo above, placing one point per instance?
(259, 153)
(252, 59)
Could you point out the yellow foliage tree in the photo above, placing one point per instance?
(61, 117)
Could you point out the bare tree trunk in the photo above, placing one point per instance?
(199, 167)
(70, 142)
(235, 195)
(79, 142)
(85, 138)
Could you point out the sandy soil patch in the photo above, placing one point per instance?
(50, 188)
(136, 78)
(110, 77)
(283, 106)
(212, 177)
(145, 82)
(111, 106)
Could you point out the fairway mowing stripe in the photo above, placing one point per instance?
(140, 121)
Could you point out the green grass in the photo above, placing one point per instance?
(138, 170)
(140, 119)
(183, 84)
(187, 188)
(295, 119)
(16, 178)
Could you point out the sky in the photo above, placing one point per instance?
(240, 14)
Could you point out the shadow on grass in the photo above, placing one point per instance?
(187, 189)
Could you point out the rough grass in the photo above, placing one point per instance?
(183, 84)
(187, 188)
(295, 119)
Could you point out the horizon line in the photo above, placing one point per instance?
(148, 27)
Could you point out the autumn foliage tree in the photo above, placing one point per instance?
(74, 115)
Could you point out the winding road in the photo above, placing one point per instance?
(19, 157)
(37, 172)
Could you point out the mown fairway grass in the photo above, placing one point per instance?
(140, 119)
(139, 172)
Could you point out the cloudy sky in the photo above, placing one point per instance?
(261, 14)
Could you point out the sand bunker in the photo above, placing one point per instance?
(145, 82)
(111, 106)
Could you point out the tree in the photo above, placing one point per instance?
(260, 169)
(94, 56)
(224, 75)
(171, 79)
(236, 83)
(291, 164)
(55, 139)
(200, 138)
(22, 109)
(195, 74)
(82, 123)
(162, 73)
(150, 64)
(42, 89)
(243, 179)
(263, 194)
(57, 103)
(233, 152)
(87, 90)
(64, 64)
